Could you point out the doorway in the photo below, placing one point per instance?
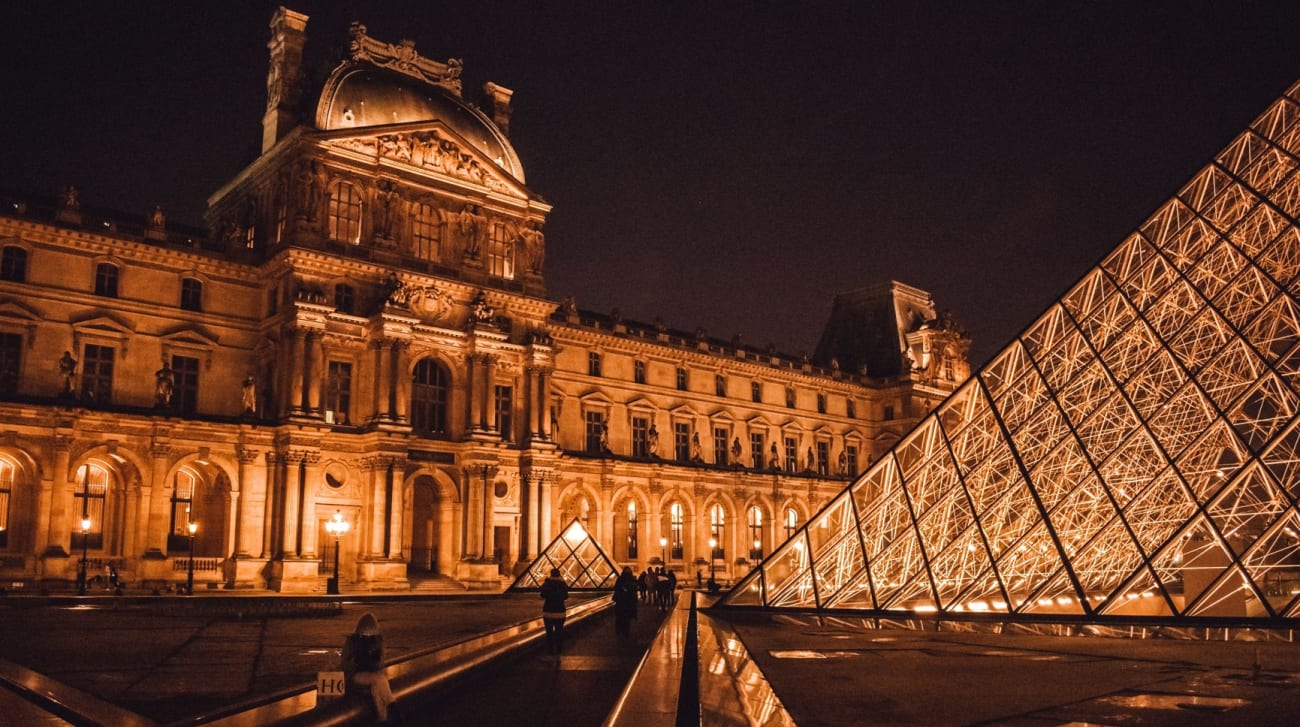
(501, 548)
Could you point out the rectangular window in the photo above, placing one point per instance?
(426, 233)
(13, 265)
(851, 460)
(640, 437)
(851, 408)
(504, 405)
(595, 428)
(344, 214)
(821, 403)
(185, 392)
(501, 254)
(681, 379)
(682, 441)
(97, 374)
(823, 458)
(345, 298)
(106, 280)
(756, 392)
(791, 454)
(720, 385)
(756, 449)
(338, 393)
(889, 412)
(638, 372)
(720, 436)
(593, 364)
(88, 499)
(11, 357)
(191, 294)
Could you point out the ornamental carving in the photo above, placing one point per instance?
(403, 58)
(425, 302)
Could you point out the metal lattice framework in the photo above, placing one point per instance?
(582, 562)
(1135, 451)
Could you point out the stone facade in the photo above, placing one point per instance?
(363, 329)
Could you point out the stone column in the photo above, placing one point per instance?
(248, 534)
(490, 394)
(297, 370)
(383, 373)
(268, 514)
(545, 515)
(402, 380)
(473, 531)
(157, 505)
(488, 510)
(292, 505)
(397, 514)
(315, 373)
(314, 475)
(475, 392)
(55, 499)
(544, 402)
(532, 546)
(531, 411)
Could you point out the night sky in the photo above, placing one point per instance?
(729, 166)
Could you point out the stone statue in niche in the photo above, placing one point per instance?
(71, 199)
(736, 451)
(604, 438)
(249, 395)
(473, 226)
(68, 370)
(399, 293)
(481, 312)
(534, 245)
(697, 452)
(810, 464)
(386, 200)
(164, 385)
(774, 459)
(652, 441)
(157, 219)
(844, 463)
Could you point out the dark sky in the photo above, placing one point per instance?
(730, 165)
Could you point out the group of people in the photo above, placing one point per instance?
(658, 586)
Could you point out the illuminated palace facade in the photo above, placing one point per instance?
(362, 332)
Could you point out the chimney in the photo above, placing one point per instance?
(497, 99)
(284, 77)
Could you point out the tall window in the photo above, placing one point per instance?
(638, 372)
(185, 388)
(789, 397)
(426, 233)
(823, 458)
(88, 502)
(429, 398)
(790, 522)
(720, 436)
(756, 392)
(851, 408)
(338, 392)
(345, 298)
(719, 384)
(501, 253)
(676, 526)
(755, 533)
(97, 374)
(791, 454)
(593, 364)
(682, 441)
(595, 430)
(191, 294)
(640, 437)
(13, 264)
(106, 280)
(344, 213)
(717, 529)
(632, 528)
(851, 460)
(11, 359)
(183, 489)
(756, 449)
(504, 403)
(681, 379)
(6, 492)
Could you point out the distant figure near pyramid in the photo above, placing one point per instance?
(1135, 451)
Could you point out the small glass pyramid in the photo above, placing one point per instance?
(582, 563)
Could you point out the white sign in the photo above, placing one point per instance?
(330, 684)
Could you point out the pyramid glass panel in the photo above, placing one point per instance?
(1135, 451)
(582, 563)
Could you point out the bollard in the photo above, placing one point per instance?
(363, 666)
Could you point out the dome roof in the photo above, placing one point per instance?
(362, 96)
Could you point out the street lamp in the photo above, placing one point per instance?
(189, 577)
(336, 526)
(81, 569)
(713, 551)
(663, 550)
(758, 548)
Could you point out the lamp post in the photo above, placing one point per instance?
(336, 526)
(713, 551)
(81, 569)
(663, 550)
(193, 527)
(758, 548)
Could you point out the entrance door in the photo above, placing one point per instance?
(501, 548)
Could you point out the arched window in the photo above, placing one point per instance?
(676, 526)
(717, 529)
(184, 491)
(633, 527)
(429, 397)
(791, 522)
(13, 264)
(7, 471)
(88, 500)
(755, 533)
(344, 213)
(426, 233)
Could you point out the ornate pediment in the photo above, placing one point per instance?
(403, 58)
(433, 149)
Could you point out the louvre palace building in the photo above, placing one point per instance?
(361, 335)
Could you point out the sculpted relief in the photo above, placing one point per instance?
(431, 150)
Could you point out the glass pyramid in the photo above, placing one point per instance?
(1135, 451)
(582, 563)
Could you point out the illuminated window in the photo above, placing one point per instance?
(6, 492)
(106, 280)
(191, 294)
(184, 486)
(755, 533)
(638, 372)
(426, 233)
(676, 526)
(88, 500)
(185, 384)
(720, 385)
(791, 454)
(717, 529)
(97, 374)
(338, 392)
(593, 364)
(501, 254)
(13, 264)
(632, 530)
(11, 359)
(851, 460)
(790, 522)
(756, 449)
(344, 213)
(429, 398)
(345, 298)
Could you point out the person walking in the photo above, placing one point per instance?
(554, 593)
(624, 602)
